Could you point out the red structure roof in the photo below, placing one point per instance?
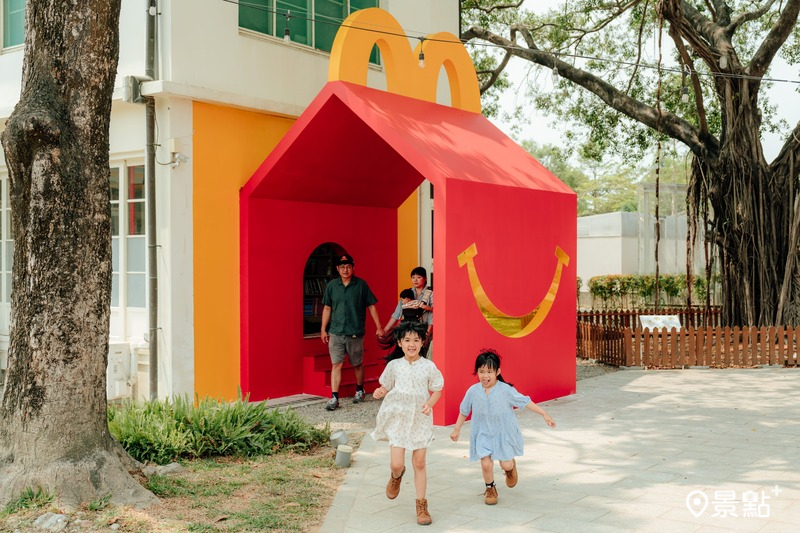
(350, 130)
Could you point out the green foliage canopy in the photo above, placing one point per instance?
(607, 187)
(612, 49)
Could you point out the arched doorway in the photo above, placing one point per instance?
(318, 271)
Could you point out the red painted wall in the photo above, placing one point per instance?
(277, 238)
(516, 231)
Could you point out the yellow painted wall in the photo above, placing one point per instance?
(407, 240)
(229, 144)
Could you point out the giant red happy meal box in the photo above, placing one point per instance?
(504, 226)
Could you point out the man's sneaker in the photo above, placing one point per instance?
(511, 476)
(393, 487)
(359, 397)
(490, 496)
(332, 404)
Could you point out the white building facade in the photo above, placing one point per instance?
(625, 243)
(216, 62)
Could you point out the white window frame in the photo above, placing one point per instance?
(127, 321)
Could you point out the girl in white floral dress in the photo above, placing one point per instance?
(411, 385)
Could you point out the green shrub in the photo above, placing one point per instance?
(164, 431)
(621, 290)
(673, 285)
(647, 288)
(625, 288)
(699, 288)
(700, 285)
(603, 287)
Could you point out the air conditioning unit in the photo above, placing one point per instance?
(119, 378)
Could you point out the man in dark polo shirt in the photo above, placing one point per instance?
(346, 302)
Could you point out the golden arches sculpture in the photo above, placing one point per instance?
(366, 28)
(514, 326)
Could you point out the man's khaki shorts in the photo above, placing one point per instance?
(339, 345)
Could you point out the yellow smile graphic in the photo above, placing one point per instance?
(508, 325)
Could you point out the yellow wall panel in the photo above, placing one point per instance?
(229, 144)
(407, 240)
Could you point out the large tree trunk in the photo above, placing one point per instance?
(751, 216)
(54, 432)
(755, 211)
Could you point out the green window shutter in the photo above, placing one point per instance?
(355, 5)
(327, 19)
(13, 22)
(269, 17)
(299, 23)
(256, 15)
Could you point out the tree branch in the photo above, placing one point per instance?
(763, 57)
(698, 90)
(747, 17)
(711, 8)
(488, 10)
(576, 35)
(671, 125)
(722, 12)
(638, 48)
(618, 11)
(690, 21)
(494, 73)
(526, 34)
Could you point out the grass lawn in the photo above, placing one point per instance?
(282, 492)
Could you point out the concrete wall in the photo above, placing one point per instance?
(607, 244)
(624, 243)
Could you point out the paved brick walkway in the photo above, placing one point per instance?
(629, 449)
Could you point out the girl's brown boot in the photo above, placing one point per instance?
(490, 496)
(393, 487)
(423, 516)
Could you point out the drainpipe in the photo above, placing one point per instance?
(150, 188)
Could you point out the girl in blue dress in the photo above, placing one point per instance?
(494, 432)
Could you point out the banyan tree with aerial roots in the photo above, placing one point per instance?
(706, 84)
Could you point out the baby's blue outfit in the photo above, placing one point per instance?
(494, 429)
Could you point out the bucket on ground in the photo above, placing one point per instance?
(343, 453)
(338, 437)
